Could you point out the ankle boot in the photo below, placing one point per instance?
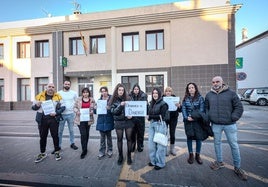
(191, 158)
(172, 149)
(198, 158)
(129, 160)
(120, 160)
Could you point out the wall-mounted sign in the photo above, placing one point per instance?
(240, 76)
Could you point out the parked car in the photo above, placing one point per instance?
(257, 96)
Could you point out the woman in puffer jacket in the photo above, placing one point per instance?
(193, 101)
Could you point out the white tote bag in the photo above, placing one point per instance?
(159, 137)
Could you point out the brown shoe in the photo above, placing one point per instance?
(198, 159)
(191, 158)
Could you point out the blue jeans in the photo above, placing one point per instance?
(231, 135)
(157, 152)
(190, 145)
(70, 121)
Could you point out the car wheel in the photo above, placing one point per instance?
(262, 102)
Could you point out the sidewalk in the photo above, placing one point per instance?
(18, 152)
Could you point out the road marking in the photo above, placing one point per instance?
(127, 174)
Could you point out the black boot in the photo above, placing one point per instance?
(120, 159)
(129, 160)
(198, 159)
(191, 158)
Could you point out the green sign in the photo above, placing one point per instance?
(239, 63)
(64, 62)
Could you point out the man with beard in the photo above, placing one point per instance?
(68, 97)
(224, 108)
(49, 105)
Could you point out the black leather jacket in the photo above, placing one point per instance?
(118, 111)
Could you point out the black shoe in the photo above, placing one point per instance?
(140, 149)
(120, 160)
(53, 152)
(150, 164)
(84, 153)
(129, 161)
(157, 168)
(73, 146)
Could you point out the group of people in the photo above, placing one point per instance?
(220, 108)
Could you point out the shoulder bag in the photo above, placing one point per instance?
(159, 137)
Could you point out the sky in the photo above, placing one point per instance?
(253, 15)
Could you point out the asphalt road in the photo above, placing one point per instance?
(20, 144)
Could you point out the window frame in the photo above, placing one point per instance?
(78, 43)
(157, 40)
(153, 84)
(40, 48)
(97, 38)
(2, 51)
(23, 49)
(132, 47)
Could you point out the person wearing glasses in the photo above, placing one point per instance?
(83, 109)
(49, 105)
(224, 109)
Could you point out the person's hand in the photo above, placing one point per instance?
(129, 117)
(178, 105)
(123, 103)
(190, 118)
(52, 114)
(38, 103)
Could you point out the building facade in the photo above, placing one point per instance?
(254, 63)
(155, 46)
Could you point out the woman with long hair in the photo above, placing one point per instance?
(121, 121)
(193, 102)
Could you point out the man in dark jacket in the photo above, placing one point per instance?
(224, 108)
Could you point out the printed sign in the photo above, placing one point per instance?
(48, 107)
(136, 108)
(101, 106)
(171, 101)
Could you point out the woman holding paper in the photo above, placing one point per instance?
(121, 121)
(105, 123)
(173, 120)
(83, 109)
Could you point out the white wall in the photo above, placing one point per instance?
(255, 64)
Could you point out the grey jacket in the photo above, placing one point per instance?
(223, 107)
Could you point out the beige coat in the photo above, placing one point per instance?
(77, 107)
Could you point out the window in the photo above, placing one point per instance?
(2, 90)
(76, 46)
(129, 81)
(1, 51)
(41, 83)
(154, 40)
(41, 48)
(24, 90)
(85, 82)
(97, 44)
(23, 49)
(154, 81)
(130, 42)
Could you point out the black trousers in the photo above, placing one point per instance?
(172, 124)
(84, 133)
(138, 134)
(52, 125)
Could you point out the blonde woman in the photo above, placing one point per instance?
(172, 122)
